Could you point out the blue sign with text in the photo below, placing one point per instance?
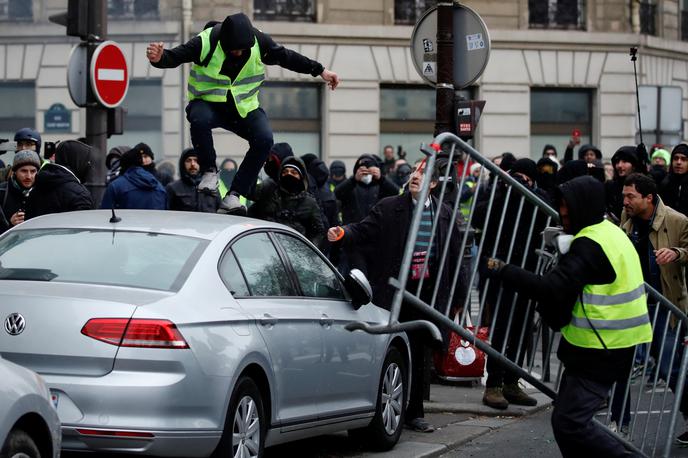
(58, 119)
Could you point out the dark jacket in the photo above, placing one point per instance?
(57, 190)
(135, 189)
(183, 195)
(12, 199)
(674, 192)
(557, 290)
(299, 211)
(320, 174)
(386, 228)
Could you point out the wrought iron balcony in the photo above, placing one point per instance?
(133, 9)
(648, 18)
(407, 12)
(556, 14)
(284, 10)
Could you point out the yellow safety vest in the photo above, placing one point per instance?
(207, 83)
(618, 310)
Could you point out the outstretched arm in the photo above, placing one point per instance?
(160, 57)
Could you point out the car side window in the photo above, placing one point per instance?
(316, 277)
(231, 275)
(263, 269)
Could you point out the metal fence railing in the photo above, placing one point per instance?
(507, 220)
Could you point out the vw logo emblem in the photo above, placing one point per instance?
(15, 324)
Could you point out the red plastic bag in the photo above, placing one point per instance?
(462, 360)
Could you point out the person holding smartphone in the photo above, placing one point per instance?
(16, 189)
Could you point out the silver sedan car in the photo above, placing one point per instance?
(29, 427)
(191, 335)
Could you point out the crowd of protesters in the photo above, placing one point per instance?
(359, 220)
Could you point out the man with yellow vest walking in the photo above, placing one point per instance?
(227, 71)
(596, 297)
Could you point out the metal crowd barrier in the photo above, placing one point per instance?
(508, 219)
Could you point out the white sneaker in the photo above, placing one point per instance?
(231, 205)
(208, 182)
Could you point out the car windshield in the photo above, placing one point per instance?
(122, 258)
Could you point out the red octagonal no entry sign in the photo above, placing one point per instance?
(109, 74)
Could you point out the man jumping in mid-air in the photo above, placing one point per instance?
(228, 68)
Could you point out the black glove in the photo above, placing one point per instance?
(493, 267)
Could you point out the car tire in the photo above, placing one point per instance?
(19, 445)
(245, 425)
(384, 430)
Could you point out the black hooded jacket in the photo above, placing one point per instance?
(557, 290)
(58, 186)
(674, 192)
(298, 210)
(183, 195)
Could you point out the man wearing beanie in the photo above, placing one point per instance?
(135, 188)
(227, 72)
(58, 185)
(625, 161)
(14, 192)
(674, 188)
(337, 174)
(660, 161)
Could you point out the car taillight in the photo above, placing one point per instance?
(142, 333)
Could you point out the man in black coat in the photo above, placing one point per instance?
(58, 185)
(674, 188)
(183, 195)
(15, 191)
(386, 228)
(589, 372)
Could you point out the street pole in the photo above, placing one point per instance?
(96, 115)
(187, 22)
(444, 102)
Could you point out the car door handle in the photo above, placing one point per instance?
(326, 321)
(268, 320)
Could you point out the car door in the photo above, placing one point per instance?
(290, 327)
(351, 362)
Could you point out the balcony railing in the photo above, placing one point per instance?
(407, 12)
(684, 25)
(16, 10)
(648, 18)
(284, 10)
(133, 10)
(556, 14)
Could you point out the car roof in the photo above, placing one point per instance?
(189, 224)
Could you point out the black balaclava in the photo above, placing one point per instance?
(236, 33)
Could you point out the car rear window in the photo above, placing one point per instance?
(122, 258)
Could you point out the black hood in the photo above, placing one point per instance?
(236, 33)
(295, 161)
(579, 168)
(584, 148)
(75, 156)
(182, 170)
(52, 176)
(319, 171)
(585, 199)
(369, 160)
(278, 153)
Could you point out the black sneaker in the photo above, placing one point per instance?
(420, 424)
(683, 439)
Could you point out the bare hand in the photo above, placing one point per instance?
(335, 233)
(331, 78)
(17, 218)
(362, 170)
(665, 256)
(154, 51)
(375, 172)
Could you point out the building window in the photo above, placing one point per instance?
(294, 111)
(16, 10)
(143, 118)
(555, 114)
(661, 115)
(556, 14)
(17, 110)
(284, 10)
(132, 9)
(407, 12)
(684, 20)
(407, 117)
(644, 16)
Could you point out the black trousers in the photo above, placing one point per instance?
(572, 420)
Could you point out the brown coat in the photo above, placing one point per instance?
(669, 230)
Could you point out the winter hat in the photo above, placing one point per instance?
(292, 166)
(664, 154)
(681, 148)
(584, 148)
(308, 158)
(115, 154)
(26, 157)
(508, 161)
(365, 160)
(525, 166)
(338, 168)
(131, 158)
(628, 154)
(236, 33)
(474, 168)
(144, 149)
(547, 165)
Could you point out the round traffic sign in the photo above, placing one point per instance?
(471, 46)
(109, 74)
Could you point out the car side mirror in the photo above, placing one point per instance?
(359, 288)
